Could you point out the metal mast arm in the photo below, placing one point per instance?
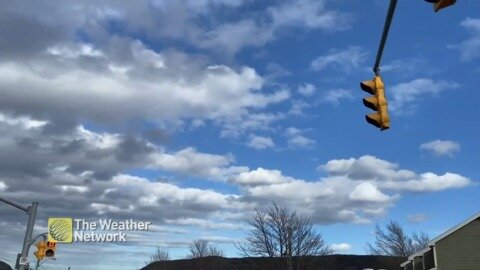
(25, 209)
(386, 27)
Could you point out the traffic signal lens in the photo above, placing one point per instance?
(49, 253)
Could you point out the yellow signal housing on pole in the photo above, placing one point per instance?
(41, 247)
(50, 249)
(439, 4)
(376, 102)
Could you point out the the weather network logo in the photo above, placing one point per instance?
(68, 230)
(60, 230)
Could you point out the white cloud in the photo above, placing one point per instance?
(3, 186)
(353, 191)
(259, 177)
(335, 95)
(417, 218)
(405, 96)
(367, 192)
(345, 60)
(26, 122)
(341, 248)
(366, 168)
(386, 176)
(235, 127)
(204, 223)
(235, 36)
(470, 48)
(164, 88)
(308, 13)
(259, 142)
(295, 139)
(300, 141)
(298, 107)
(429, 182)
(407, 67)
(441, 148)
(189, 161)
(218, 92)
(306, 89)
(169, 193)
(74, 189)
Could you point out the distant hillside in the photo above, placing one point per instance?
(331, 262)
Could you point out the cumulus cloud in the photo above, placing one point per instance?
(238, 126)
(82, 71)
(352, 191)
(368, 192)
(441, 148)
(407, 67)
(341, 248)
(346, 60)
(417, 218)
(308, 13)
(259, 142)
(259, 177)
(334, 96)
(470, 48)
(88, 172)
(3, 186)
(113, 94)
(306, 89)
(387, 176)
(296, 139)
(404, 96)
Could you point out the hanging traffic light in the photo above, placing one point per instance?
(41, 247)
(376, 102)
(50, 249)
(439, 4)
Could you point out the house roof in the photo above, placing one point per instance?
(454, 229)
(442, 236)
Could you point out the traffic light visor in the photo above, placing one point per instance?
(376, 120)
(443, 4)
(368, 86)
(371, 102)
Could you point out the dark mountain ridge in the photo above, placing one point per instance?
(330, 262)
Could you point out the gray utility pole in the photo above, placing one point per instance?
(22, 260)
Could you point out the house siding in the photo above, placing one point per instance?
(460, 250)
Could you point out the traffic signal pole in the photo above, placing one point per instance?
(383, 40)
(27, 241)
(378, 101)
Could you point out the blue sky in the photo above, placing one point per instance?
(191, 114)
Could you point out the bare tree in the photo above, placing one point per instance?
(201, 248)
(394, 242)
(278, 232)
(158, 255)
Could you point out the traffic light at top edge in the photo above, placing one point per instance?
(50, 249)
(376, 102)
(439, 4)
(41, 247)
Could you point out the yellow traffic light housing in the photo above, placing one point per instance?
(376, 102)
(41, 247)
(439, 4)
(50, 249)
